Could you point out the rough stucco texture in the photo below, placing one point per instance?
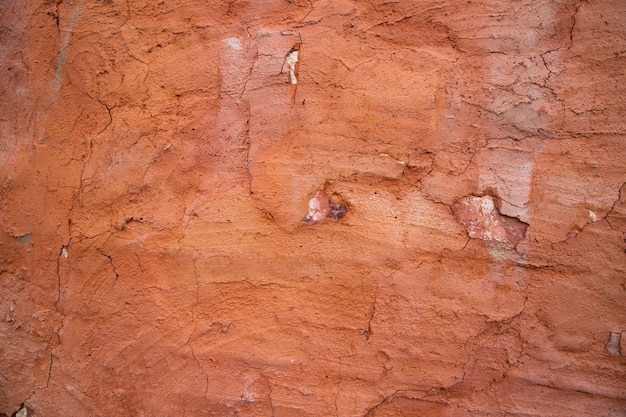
(313, 208)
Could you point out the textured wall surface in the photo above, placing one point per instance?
(313, 208)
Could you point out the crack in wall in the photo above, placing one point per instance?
(592, 221)
(368, 331)
(193, 318)
(339, 381)
(612, 209)
(110, 258)
(468, 347)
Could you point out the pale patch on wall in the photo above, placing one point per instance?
(234, 43)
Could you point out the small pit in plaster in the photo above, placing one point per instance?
(321, 207)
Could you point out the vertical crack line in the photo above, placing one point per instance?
(108, 108)
(139, 263)
(247, 140)
(57, 18)
(38, 389)
(62, 254)
(338, 389)
(82, 173)
(249, 146)
(230, 5)
(612, 209)
(193, 307)
(269, 394)
(90, 150)
(368, 332)
(206, 376)
(249, 75)
(571, 29)
(193, 319)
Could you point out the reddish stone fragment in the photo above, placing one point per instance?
(482, 220)
(321, 208)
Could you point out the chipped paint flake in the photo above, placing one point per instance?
(291, 60)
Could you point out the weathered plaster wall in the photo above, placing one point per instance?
(465, 256)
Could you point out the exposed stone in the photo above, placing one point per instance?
(321, 208)
(22, 413)
(613, 345)
(483, 220)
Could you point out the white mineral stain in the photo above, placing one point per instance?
(320, 209)
(316, 213)
(314, 204)
(486, 205)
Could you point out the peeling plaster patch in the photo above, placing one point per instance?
(613, 345)
(482, 220)
(321, 208)
(291, 60)
(234, 43)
